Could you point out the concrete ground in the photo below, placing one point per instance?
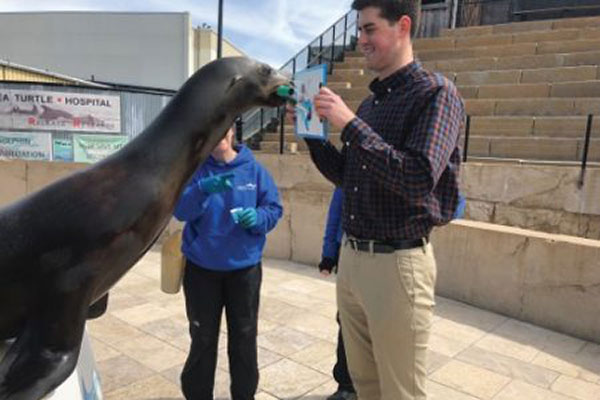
(141, 342)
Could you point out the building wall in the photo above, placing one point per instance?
(145, 49)
(205, 47)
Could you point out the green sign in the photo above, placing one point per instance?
(92, 148)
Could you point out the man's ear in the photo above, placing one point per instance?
(234, 81)
(405, 24)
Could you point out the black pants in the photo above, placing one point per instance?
(206, 293)
(340, 369)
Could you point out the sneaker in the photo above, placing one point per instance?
(343, 395)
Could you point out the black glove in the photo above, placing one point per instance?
(327, 264)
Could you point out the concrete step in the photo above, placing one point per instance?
(503, 126)
(552, 149)
(549, 149)
(513, 76)
(289, 147)
(526, 90)
(518, 62)
(535, 107)
(519, 49)
(516, 49)
(355, 81)
(447, 43)
(335, 86)
(354, 94)
(351, 62)
(515, 27)
(287, 129)
(530, 126)
(342, 75)
(290, 137)
(571, 46)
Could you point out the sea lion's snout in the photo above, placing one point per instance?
(279, 80)
(270, 81)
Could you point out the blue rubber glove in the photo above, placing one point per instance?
(248, 218)
(217, 183)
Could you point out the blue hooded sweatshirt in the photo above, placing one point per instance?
(333, 228)
(211, 238)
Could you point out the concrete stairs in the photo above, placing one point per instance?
(527, 86)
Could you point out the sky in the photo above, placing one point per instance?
(272, 31)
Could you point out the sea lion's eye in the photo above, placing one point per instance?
(265, 70)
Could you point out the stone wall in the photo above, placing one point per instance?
(547, 279)
(540, 197)
(543, 198)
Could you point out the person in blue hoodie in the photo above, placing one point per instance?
(228, 207)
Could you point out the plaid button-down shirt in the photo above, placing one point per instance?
(400, 159)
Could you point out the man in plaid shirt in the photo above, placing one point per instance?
(398, 169)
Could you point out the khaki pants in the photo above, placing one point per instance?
(386, 306)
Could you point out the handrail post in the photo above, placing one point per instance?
(239, 130)
(320, 49)
(356, 26)
(467, 132)
(586, 149)
(281, 129)
(332, 50)
(262, 120)
(345, 32)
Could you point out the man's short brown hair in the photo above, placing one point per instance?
(392, 10)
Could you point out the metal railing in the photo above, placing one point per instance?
(327, 48)
(583, 161)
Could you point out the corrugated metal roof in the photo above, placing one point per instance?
(16, 72)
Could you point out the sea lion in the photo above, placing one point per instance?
(63, 247)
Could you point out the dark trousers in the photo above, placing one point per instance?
(340, 369)
(206, 294)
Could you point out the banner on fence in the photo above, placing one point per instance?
(26, 146)
(45, 110)
(92, 148)
(62, 150)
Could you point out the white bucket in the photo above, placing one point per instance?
(172, 262)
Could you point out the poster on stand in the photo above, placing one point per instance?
(307, 84)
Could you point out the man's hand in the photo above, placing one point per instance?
(217, 183)
(326, 265)
(331, 107)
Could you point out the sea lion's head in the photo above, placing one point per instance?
(254, 82)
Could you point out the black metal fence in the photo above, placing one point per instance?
(327, 48)
(584, 155)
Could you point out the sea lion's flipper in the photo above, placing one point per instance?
(98, 309)
(45, 353)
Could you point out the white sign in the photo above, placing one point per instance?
(44, 110)
(308, 84)
(26, 145)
